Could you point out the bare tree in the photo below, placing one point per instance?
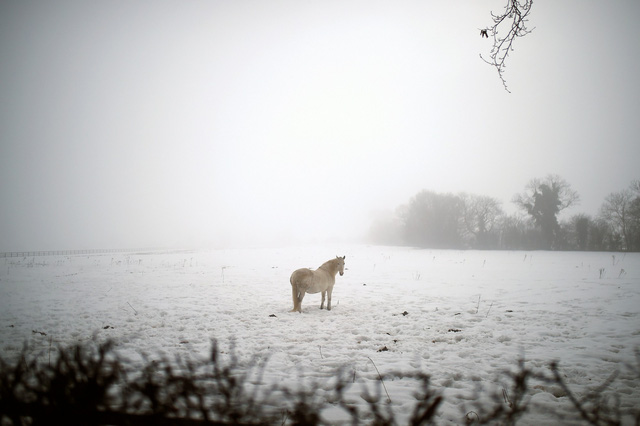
(480, 216)
(621, 210)
(635, 214)
(433, 220)
(507, 26)
(580, 225)
(543, 200)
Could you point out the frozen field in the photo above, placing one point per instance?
(463, 317)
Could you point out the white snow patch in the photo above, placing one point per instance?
(462, 317)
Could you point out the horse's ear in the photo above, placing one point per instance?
(344, 257)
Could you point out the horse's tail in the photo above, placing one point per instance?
(295, 293)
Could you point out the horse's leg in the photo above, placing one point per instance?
(329, 291)
(324, 293)
(294, 294)
(300, 297)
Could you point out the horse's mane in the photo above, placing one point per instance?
(329, 265)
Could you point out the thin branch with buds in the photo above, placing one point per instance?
(514, 19)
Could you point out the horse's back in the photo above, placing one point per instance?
(301, 275)
(310, 281)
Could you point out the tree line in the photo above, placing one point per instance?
(460, 221)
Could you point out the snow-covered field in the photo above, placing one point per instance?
(463, 317)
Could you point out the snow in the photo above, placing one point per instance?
(463, 317)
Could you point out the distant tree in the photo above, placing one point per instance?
(517, 233)
(635, 214)
(433, 220)
(480, 216)
(581, 224)
(506, 27)
(577, 232)
(543, 199)
(621, 210)
(616, 210)
(599, 235)
(635, 187)
(511, 232)
(564, 236)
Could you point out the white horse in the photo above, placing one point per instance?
(321, 280)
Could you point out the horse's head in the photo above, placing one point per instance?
(340, 262)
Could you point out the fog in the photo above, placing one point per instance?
(219, 123)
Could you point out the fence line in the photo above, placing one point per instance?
(66, 252)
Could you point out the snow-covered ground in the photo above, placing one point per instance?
(463, 317)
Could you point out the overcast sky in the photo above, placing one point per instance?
(214, 123)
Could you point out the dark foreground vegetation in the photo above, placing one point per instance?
(91, 384)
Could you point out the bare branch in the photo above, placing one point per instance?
(514, 20)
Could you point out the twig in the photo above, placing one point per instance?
(478, 307)
(381, 381)
(320, 347)
(515, 19)
(577, 404)
(507, 400)
(134, 309)
(489, 310)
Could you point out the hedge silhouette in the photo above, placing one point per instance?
(89, 384)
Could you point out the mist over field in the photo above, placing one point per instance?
(220, 124)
